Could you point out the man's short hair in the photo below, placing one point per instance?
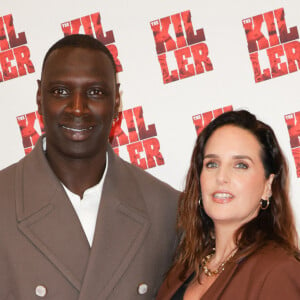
(80, 41)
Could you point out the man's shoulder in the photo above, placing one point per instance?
(146, 179)
(11, 168)
(7, 172)
(7, 184)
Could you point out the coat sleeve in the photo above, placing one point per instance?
(282, 282)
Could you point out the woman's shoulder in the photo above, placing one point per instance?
(273, 257)
(273, 249)
(280, 273)
(271, 272)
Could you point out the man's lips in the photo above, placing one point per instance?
(77, 129)
(77, 132)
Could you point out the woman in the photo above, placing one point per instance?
(238, 237)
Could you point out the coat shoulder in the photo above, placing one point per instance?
(273, 255)
(7, 175)
(150, 183)
(281, 274)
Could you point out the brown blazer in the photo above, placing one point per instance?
(269, 274)
(42, 243)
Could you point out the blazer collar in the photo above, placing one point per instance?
(47, 219)
(216, 289)
(172, 283)
(122, 225)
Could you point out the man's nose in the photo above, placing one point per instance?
(78, 104)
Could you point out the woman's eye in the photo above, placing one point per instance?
(211, 164)
(241, 165)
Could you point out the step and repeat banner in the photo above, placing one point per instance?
(180, 64)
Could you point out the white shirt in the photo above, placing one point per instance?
(87, 207)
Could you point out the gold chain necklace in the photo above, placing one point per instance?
(208, 272)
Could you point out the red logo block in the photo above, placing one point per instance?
(91, 25)
(202, 120)
(274, 54)
(181, 55)
(14, 54)
(293, 124)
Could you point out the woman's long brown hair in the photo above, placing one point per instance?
(274, 224)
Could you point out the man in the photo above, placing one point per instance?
(76, 221)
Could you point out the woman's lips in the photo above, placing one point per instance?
(222, 197)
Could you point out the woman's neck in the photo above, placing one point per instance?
(225, 245)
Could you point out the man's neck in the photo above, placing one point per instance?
(77, 174)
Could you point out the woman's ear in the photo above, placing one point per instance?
(268, 187)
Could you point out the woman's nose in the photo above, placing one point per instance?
(223, 175)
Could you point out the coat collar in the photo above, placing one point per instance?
(172, 283)
(46, 217)
(122, 225)
(216, 289)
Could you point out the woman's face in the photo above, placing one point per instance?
(233, 176)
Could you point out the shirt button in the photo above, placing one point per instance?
(41, 291)
(142, 288)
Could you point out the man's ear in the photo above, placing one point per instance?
(39, 98)
(117, 100)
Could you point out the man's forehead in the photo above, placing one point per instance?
(64, 52)
(66, 57)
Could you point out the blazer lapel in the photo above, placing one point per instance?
(122, 225)
(46, 217)
(172, 283)
(217, 288)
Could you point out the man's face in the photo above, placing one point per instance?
(77, 97)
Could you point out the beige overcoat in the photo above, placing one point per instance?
(44, 253)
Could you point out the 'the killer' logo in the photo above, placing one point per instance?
(272, 44)
(202, 120)
(141, 141)
(141, 145)
(91, 25)
(14, 55)
(31, 127)
(187, 47)
(293, 124)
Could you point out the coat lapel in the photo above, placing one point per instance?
(217, 288)
(172, 283)
(122, 225)
(47, 219)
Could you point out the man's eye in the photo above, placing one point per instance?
(60, 92)
(241, 165)
(95, 92)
